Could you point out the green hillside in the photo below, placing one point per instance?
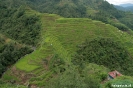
(8, 85)
(19, 26)
(10, 52)
(38, 49)
(62, 35)
(53, 56)
(95, 9)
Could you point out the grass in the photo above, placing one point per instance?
(5, 85)
(25, 63)
(42, 79)
(61, 36)
(7, 76)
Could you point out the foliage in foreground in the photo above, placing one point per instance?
(8, 85)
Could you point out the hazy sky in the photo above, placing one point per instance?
(117, 2)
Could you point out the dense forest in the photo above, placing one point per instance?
(105, 52)
(10, 53)
(22, 28)
(17, 25)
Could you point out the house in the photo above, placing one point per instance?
(113, 75)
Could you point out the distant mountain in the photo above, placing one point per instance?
(119, 7)
(126, 5)
(130, 8)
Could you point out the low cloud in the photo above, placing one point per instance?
(117, 2)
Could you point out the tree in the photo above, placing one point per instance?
(71, 78)
(105, 51)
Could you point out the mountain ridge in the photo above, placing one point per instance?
(126, 9)
(126, 5)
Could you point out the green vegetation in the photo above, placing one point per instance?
(127, 9)
(95, 9)
(107, 52)
(71, 78)
(10, 53)
(21, 27)
(11, 86)
(8, 85)
(56, 59)
(123, 80)
(59, 38)
(18, 25)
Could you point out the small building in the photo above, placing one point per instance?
(113, 75)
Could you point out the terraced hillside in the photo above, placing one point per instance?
(95, 9)
(58, 44)
(10, 52)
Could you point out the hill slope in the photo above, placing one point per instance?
(56, 39)
(59, 38)
(94, 9)
(10, 52)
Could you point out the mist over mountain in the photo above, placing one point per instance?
(124, 7)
